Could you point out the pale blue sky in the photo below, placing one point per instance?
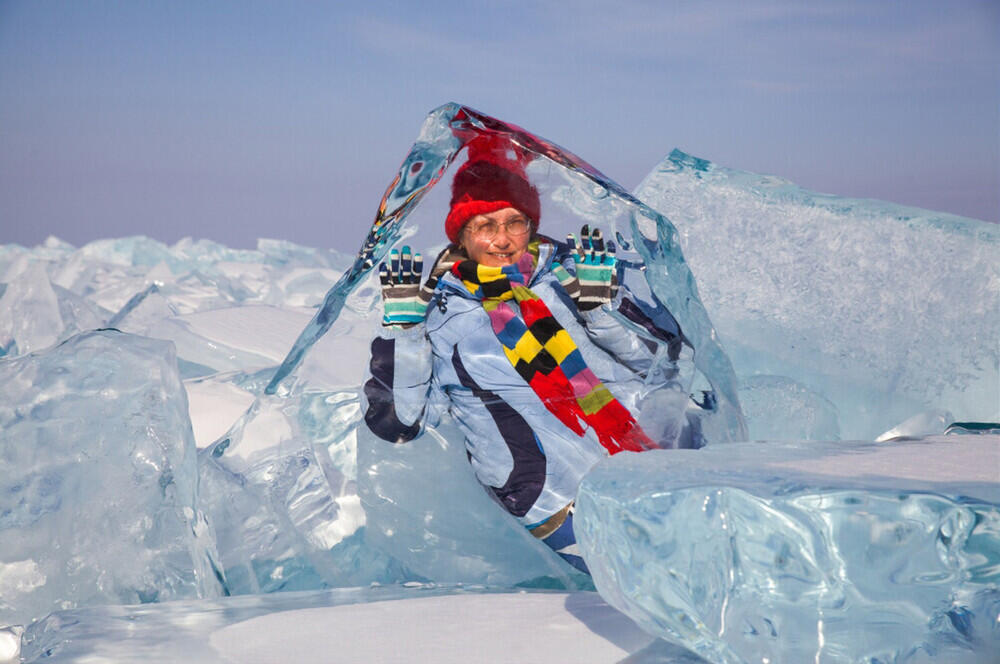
(234, 120)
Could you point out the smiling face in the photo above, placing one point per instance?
(498, 238)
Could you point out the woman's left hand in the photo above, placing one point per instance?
(595, 268)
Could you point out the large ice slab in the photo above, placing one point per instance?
(279, 487)
(866, 311)
(795, 552)
(425, 508)
(98, 479)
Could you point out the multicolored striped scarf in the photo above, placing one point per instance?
(545, 356)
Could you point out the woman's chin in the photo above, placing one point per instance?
(497, 261)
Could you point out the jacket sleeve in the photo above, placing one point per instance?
(620, 328)
(396, 389)
(621, 340)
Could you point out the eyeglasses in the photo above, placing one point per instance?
(489, 229)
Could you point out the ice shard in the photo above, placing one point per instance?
(36, 312)
(29, 312)
(796, 552)
(98, 479)
(882, 311)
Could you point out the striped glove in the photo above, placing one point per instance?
(401, 297)
(595, 268)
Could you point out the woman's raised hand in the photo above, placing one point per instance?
(400, 278)
(595, 268)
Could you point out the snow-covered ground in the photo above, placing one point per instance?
(416, 623)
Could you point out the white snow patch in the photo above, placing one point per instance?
(213, 407)
(19, 577)
(454, 629)
(10, 644)
(262, 330)
(939, 459)
(350, 517)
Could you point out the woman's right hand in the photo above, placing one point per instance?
(595, 268)
(401, 297)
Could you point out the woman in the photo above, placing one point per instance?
(514, 335)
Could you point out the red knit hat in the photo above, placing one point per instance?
(492, 179)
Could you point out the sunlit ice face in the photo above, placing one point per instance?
(498, 238)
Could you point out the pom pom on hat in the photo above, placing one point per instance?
(492, 179)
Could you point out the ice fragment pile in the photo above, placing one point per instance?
(295, 495)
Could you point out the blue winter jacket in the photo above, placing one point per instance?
(454, 361)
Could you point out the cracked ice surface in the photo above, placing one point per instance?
(852, 315)
(791, 552)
